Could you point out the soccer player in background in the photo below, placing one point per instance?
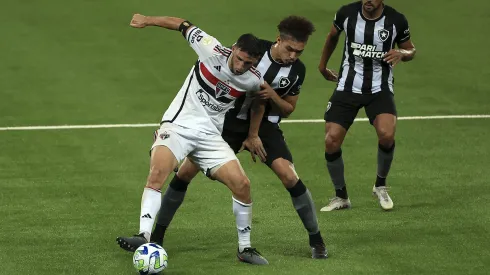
(192, 125)
(365, 80)
(281, 67)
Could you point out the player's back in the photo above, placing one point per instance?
(211, 88)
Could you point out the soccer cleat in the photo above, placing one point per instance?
(384, 199)
(251, 256)
(337, 203)
(131, 243)
(319, 251)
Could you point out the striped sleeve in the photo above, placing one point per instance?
(402, 30)
(202, 43)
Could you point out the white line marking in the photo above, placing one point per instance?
(99, 126)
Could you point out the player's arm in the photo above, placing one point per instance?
(253, 142)
(406, 50)
(201, 42)
(167, 22)
(331, 43)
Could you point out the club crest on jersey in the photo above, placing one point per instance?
(222, 89)
(383, 34)
(284, 82)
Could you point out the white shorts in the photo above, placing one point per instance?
(206, 150)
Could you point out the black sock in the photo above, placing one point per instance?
(385, 157)
(341, 193)
(316, 239)
(172, 199)
(303, 203)
(335, 165)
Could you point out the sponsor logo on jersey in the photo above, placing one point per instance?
(206, 101)
(366, 51)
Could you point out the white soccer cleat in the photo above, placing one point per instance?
(384, 199)
(337, 203)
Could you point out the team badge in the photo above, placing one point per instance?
(284, 82)
(222, 89)
(383, 34)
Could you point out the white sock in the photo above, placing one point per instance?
(150, 205)
(243, 215)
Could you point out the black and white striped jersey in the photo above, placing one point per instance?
(285, 79)
(366, 41)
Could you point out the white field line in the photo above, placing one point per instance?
(101, 126)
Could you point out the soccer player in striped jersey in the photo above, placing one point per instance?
(281, 67)
(365, 80)
(192, 125)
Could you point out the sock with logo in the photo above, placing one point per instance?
(243, 215)
(150, 204)
(303, 203)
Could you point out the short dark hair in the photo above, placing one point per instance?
(249, 43)
(297, 27)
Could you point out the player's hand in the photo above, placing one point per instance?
(255, 146)
(393, 57)
(266, 93)
(329, 75)
(138, 21)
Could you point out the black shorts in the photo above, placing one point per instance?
(343, 106)
(272, 139)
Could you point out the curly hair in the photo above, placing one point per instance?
(297, 27)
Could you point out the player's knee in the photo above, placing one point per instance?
(386, 137)
(241, 190)
(156, 178)
(289, 179)
(332, 142)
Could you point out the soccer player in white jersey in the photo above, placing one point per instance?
(192, 125)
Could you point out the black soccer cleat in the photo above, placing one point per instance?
(319, 251)
(131, 243)
(251, 256)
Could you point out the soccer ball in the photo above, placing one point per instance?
(150, 258)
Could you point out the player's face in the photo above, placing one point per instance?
(240, 61)
(288, 50)
(371, 5)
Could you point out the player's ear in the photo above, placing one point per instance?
(278, 39)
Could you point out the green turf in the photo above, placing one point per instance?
(65, 195)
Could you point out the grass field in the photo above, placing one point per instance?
(66, 194)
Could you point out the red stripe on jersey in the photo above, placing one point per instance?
(214, 80)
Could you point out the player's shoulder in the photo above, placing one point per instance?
(256, 75)
(221, 50)
(351, 8)
(299, 67)
(392, 12)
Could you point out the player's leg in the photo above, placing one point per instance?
(341, 112)
(280, 160)
(382, 115)
(175, 193)
(165, 154)
(218, 160)
(173, 198)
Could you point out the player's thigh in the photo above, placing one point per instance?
(171, 144)
(274, 143)
(284, 169)
(342, 108)
(188, 170)
(211, 153)
(382, 103)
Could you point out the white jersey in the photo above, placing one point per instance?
(210, 89)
